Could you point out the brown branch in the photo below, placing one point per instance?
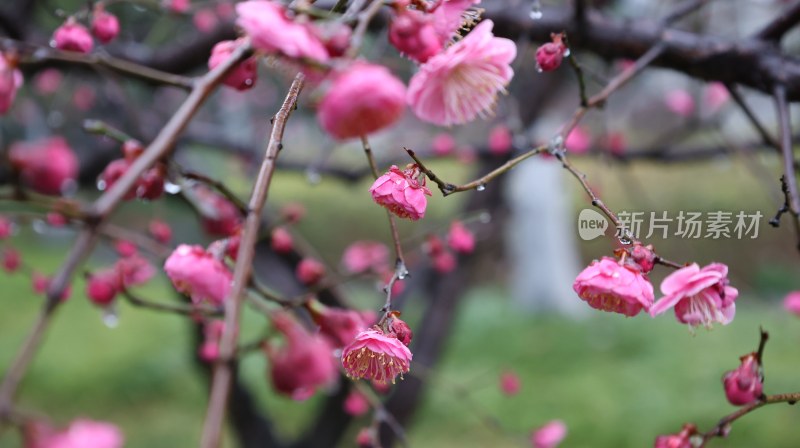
(783, 22)
(762, 131)
(185, 310)
(721, 428)
(790, 177)
(220, 386)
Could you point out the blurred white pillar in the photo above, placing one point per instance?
(541, 239)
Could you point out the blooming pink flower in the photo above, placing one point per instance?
(105, 26)
(310, 271)
(362, 99)
(304, 363)
(510, 383)
(55, 219)
(500, 140)
(578, 141)
(376, 356)
(609, 286)
(340, 326)
(47, 81)
(47, 165)
(72, 36)
(443, 144)
(85, 433)
(10, 81)
(356, 404)
(212, 334)
(680, 102)
(458, 84)
(195, 272)
(102, 286)
(744, 384)
(700, 296)
(160, 230)
(401, 193)
(460, 239)
(449, 16)
(281, 240)
(550, 55)
(679, 440)
(715, 96)
(205, 20)
(272, 31)
(242, 77)
(12, 259)
(792, 303)
(366, 256)
(549, 435)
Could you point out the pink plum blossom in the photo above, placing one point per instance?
(10, 81)
(281, 240)
(679, 440)
(244, 75)
(223, 218)
(310, 271)
(510, 383)
(376, 356)
(549, 435)
(463, 81)
(715, 96)
(160, 230)
(500, 140)
(339, 325)
(680, 102)
(356, 404)
(363, 99)
(48, 165)
(399, 328)
(103, 286)
(272, 31)
(413, 34)
(84, 433)
(400, 192)
(105, 26)
(550, 55)
(744, 384)
(460, 239)
(72, 36)
(196, 273)
(610, 286)
(699, 296)
(12, 259)
(443, 144)
(578, 141)
(792, 303)
(366, 256)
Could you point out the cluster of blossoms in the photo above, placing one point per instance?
(699, 296)
(149, 186)
(130, 270)
(73, 36)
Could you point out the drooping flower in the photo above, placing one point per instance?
(460, 239)
(244, 75)
(744, 385)
(105, 26)
(680, 102)
(281, 240)
(550, 55)
(610, 286)
(549, 435)
(196, 273)
(272, 31)
(510, 383)
(303, 364)
(400, 192)
(10, 81)
(310, 271)
(72, 36)
(339, 325)
(463, 81)
(792, 303)
(48, 166)
(356, 404)
(376, 356)
(699, 296)
(363, 99)
(679, 440)
(84, 433)
(366, 256)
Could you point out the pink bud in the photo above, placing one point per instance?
(443, 144)
(715, 96)
(364, 438)
(744, 384)
(41, 283)
(212, 332)
(125, 248)
(615, 143)
(550, 55)
(433, 245)
(225, 219)
(282, 241)
(578, 141)
(11, 260)
(680, 102)
(195, 272)
(55, 219)
(47, 81)
(336, 39)
(111, 174)
(225, 10)
(402, 192)
(444, 262)
(160, 230)
(72, 36)
(400, 328)
(679, 440)
(6, 227)
(792, 303)
(103, 286)
(105, 26)
(643, 256)
(48, 166)
(310, 271)
(132, 149)
(460, 239)
(244, 75)
(510, 383)
(549, 435)
(150, 185)
(293, 212)
(10, 81)
(177, 6)
(413, 34)
(83, 98)
(356, 404)
(363, 99)
(205, 20)
(500, 140)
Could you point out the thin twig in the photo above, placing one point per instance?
(217, 185)
(220, 385)
(186, 310)
(783, 22)
(789, 174)
(100, 127)
(721, 428)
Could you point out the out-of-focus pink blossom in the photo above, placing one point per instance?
(443, 144)
(336, 38)
(149, 185)
(680, 102)
(132, 149)
(310, 271)
(134, 270)
(340, 326)
(578, 141)
(196, 273)
(244, 75)
(400, 192)
(10, 81)
(48, 165)
(225, 10)
(272, 31)
(212, 334)
(744, 385)
(791, 303)
(6, 227)
(609, 286)
(41, 282)
(364, 438)
(72, 36)
(363, 99)
(460, 239)
(205, 20)
(679, 440)
(376, 356)
(550, 55)
(125, 248)
(47, 81)
(281, 240)
(303, 364)
(413, 34)
(177, 6)
(444, 262)
(699, 296)
(55, 219)
(83, 433)
(224, 219)
(500, 140)
(83, 98)
(12, 259)
(715, 96)
(160, 230)
(549, 435)
(510, 383)
(366, 256)
(463, 81)
(111, 174)
(105, 26)
(293, 212)
(103, 286)
(616, 144)
(356, 404)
